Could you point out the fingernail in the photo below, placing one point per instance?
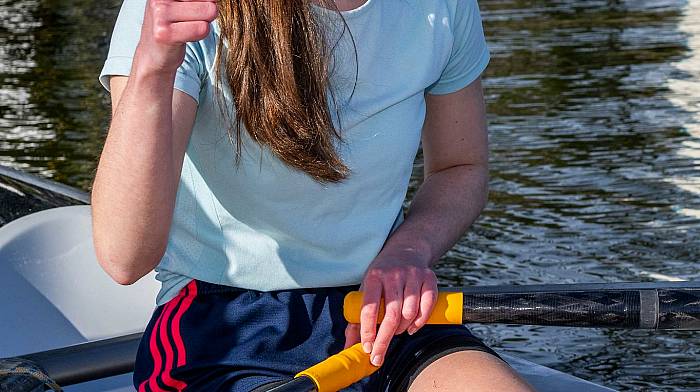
(367, 347)
(411, 330)
(377, 360)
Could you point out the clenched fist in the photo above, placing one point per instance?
(167, 26)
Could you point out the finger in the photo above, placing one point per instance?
(393, 298)
(429, 294)
(352, 335)
(411, 300)
(181, 32)
(372, 295)
(187, 11)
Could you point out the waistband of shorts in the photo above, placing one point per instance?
(204, 288)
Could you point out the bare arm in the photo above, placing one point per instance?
(134, 191)
(451, 197)
(455, 186)
(133, 195)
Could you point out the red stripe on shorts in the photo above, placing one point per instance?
(160, 331)
(181, 353)
(155, 354)
(169, 357)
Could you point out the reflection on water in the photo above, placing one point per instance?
(52, 112)
(685, 93)
(594, 115)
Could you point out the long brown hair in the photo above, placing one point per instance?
(277, 68)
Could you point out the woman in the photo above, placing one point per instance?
(258, 157)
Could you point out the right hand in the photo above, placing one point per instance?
(167, 26)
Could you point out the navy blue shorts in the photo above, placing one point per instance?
(219, 338)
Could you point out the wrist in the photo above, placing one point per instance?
(153, 64)
(151, 81)
(145, 72)
(417, 252)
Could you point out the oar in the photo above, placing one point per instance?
(333, 374)
(81, 362)
(665, 305)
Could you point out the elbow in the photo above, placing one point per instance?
(126, 266)
(124, 278)
(122, 272)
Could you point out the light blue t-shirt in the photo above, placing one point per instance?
(265, 226)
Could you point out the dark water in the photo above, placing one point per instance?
(594, 115)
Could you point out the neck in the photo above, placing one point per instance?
(348, 5)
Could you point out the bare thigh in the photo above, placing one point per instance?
(469, 371)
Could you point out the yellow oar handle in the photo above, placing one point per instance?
(447, 310)
(340, 370)
(352, 365)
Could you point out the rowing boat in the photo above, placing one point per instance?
(56, 295)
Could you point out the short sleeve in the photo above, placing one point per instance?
(125, 38)
(470, 53)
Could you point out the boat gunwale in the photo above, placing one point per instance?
(43, 183)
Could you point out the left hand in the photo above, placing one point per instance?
(409, 289)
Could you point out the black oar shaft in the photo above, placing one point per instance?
(677, 309)
(89, 361)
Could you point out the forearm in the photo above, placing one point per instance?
(445, 206)
(453, 194)
(134, 191)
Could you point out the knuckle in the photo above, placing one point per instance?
(201, 29)
(374, 273)
(367, 331)
(161, 33)
(433, 295)
(395, 272)
(409, 312)
(367, 328)
(392, 316)
(368, 310)
(381, 345)
(367, 334)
